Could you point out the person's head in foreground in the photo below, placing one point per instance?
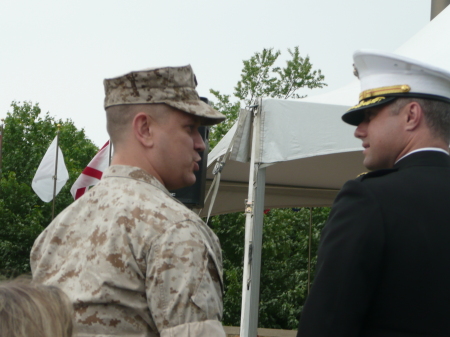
(404, 105)
(36, 310)
(153, 117)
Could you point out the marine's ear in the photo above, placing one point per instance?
(414, 115)
(143, 129)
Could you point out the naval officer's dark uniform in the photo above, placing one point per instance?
(384, 258)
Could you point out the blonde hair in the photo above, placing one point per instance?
(28, 309)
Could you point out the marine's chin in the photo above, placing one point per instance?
(368, 164)
(196, 167)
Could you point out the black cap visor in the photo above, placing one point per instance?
(355, 115)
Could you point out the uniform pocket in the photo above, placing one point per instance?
(208, 295)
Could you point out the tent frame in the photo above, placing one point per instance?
(254, 211)
(254, 222)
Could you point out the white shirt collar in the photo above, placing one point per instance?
(424, 149)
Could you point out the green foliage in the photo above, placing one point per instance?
(284, 271)
(231, 110)
(230, 228)
(260, 78)
(21, 222)
(27, 136)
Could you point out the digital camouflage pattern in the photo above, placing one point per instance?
(174, 86)
(133, 260)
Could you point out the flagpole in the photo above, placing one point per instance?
(1, 148)
(55, 177)
(110, 150)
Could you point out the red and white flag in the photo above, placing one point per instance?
(92, 174)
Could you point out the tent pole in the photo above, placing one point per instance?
(309, 248)
(438, 6)
(254, 210)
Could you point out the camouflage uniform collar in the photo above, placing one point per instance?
(135, 173)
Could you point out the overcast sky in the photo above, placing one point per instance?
(57, 53)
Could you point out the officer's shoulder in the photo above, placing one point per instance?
(375, 174)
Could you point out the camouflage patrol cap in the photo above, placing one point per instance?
(174, 86)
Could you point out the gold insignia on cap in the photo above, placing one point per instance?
(394, 89)
(370, 101)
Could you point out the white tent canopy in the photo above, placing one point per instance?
(289, 153)
(309, 153)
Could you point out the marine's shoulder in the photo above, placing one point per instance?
(154, 202)
(370, 176)
(179, 211)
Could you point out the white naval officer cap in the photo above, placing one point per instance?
(386, 76)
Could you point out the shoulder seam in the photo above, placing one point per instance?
(378, 173)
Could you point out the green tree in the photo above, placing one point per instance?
(260, 78)
(27, 136)
(284, 272)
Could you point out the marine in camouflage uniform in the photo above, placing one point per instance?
(134, 260)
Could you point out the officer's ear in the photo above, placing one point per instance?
(143, 129)
(414, 116)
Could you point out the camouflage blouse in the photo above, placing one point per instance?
(134, 261)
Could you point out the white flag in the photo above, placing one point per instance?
(92, 174)
(43, 179)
